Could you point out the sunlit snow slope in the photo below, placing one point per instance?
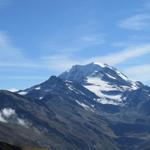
(109, 84)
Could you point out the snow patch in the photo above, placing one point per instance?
(96, 85)
(114, 100)
(86, 107)
(101, 64)
(122, 75)
(134, 86)
(21, 122)
(12, 90)
(110, 76)
(38, 88)
(70, 87)
(40, 98)
(106, 101)
(22, 93)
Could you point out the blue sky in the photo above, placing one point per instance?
(40, 38)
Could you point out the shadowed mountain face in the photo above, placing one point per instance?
(91, 107)
(5, 146)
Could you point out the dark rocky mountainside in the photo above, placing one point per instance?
(5, 146)
(91, 107)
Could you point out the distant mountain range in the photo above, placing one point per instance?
(89, 107)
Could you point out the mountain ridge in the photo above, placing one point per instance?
(101, 79)
(64, 113)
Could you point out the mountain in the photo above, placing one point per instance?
(59, 119)
(109, 84)
(89, 107)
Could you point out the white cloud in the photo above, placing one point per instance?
(124, 55)
(6, 117)
(63, 62)
(13, 57)
(6, 48)
(136, 22)
(8, 52)
(7, 112)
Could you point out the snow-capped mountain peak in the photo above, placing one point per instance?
(108, 83)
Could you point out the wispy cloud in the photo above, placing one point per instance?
(136, 22)
(9, 52)
(12, 56)
(124, 55)
(62, 62)
(5, 43)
